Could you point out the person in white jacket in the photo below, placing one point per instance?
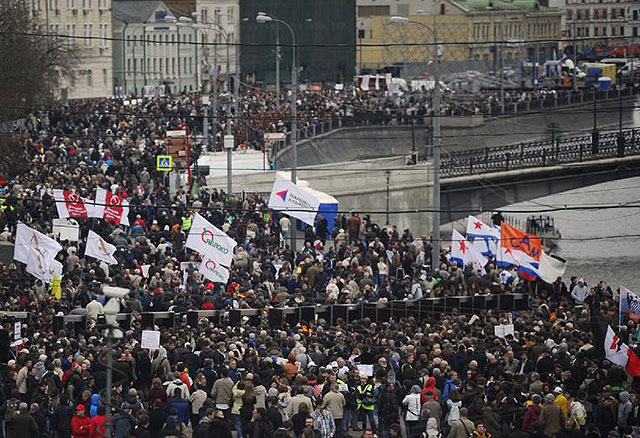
(412, 402)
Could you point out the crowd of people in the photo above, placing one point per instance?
(435, 376)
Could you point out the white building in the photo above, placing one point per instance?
(596, 21)
(91, 21)
(633, 21)
(218, 21)
(154, 51)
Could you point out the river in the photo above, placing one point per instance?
(615, 259)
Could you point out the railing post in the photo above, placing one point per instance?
(544, 157)
(470, 166)
(581, 152)
(507, 161)
(486, 157)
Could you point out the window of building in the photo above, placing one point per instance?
(373, 11)
(230, 15)
(173, 66)
(88, 31)
(595, 31)
(160, 69)
(89, 78)
(103, 35)
(166, 66)
(86, 4)
(105, 78)
(204, 15)
(190, 64)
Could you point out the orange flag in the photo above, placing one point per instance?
(517, 240)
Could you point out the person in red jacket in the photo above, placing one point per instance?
(81, 424)
(98, 428)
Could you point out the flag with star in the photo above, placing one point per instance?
(479, 230)
(460, 248)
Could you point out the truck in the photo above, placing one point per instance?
(597, 70)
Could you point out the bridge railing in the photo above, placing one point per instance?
(540, 153)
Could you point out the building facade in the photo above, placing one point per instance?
(154, 53)
(88, 24)
(595, 22)
(325, 34)
(468, 31)
(218, 22)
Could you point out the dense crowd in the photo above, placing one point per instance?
(441, 375)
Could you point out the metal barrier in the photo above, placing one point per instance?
(376, 312)
(540, 153)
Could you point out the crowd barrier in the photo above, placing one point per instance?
(330, 314)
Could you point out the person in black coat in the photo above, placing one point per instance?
(62, 418)
(219, 427)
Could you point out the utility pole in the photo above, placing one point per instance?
(214, 93)
(435, 257)
(387, 173)
(277, 68)
(575, 56)
(501, 43)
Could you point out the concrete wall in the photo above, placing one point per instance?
(361, 186)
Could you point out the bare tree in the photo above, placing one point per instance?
(33, 62)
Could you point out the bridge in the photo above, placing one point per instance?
(490, 178)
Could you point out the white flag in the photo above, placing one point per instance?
(100, 249)
(210, 241)
(477, 228)
(476, 259)
(27, 238)
(460, 249)
(615, 350)
(214, 271)
(111, 207)
(45, 274)
(293, 200)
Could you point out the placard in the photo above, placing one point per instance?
(150, 339)
(366, 370)
(17, 330)
(66, 229)
(503, 330)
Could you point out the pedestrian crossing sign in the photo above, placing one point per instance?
(164, 163)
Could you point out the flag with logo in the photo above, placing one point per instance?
(293, 200)
(214, 271)
(460, 248)
(629, 304)
(42, 269)
(111, 207)
(100, 249)
(70, 204)
(32, 245)
(517, 240)
(210, 241)
(615, 350)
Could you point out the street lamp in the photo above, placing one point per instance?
(436, 138)
(595, 135)
(228, 138)
(111, 333)
(263, 18)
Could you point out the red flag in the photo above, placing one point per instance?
(111, 207)
(633, 365)
(69, 204)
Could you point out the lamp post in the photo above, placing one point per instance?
(111, 333)
(264, 18)
(595, 135)
(435, 139)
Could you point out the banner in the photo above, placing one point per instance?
(517, 240)
(214, 271)
(28, 238)
(70, 204)
(100, 249)
(210, 241)
(629, 304)
(294, 200)
(111, 207)
(460, 248)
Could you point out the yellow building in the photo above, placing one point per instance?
(467, 31)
